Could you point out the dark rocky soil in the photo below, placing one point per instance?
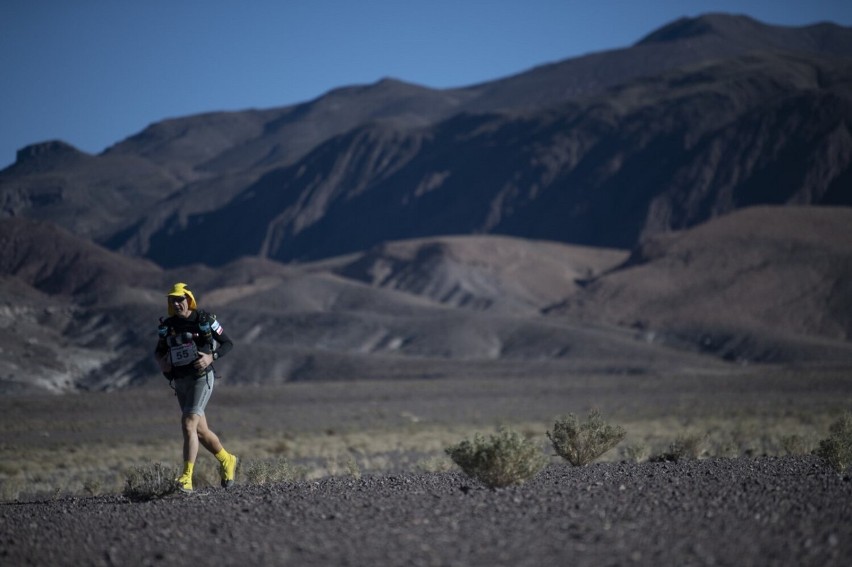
(762, 511)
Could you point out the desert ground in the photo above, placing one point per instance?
(372, 484)
(745, 511)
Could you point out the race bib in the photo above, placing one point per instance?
(182, 353)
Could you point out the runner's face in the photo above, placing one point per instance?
(180, 304)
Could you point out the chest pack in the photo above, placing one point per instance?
(185, 339)
(182, 348)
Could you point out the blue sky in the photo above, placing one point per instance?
(93, 72)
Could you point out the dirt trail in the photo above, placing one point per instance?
(763, 511)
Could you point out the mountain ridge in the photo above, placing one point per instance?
(789, 115)
(199, 164)
(626, 211)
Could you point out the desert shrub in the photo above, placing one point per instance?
(636, 452)
(150, 481)
(505, 458)
(836, 450)
(270, 471)
(434, 464)
(581, 443)
(11, 489)
(92, 486)
(683, 447)
(795, 445)
(352, 468)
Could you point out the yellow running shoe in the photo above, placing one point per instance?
(184, 483)
(228, 470)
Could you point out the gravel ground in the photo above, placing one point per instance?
(762, 511)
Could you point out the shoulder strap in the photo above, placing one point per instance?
(205, 325)
(205, 317)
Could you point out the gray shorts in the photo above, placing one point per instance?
(194, 393)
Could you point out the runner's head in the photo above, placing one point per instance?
(181, 300)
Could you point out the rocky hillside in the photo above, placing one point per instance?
(765, 285)
(655, 155)
(701, 117)
(761, 284)
(680, 203)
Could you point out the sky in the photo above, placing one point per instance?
(94, 72)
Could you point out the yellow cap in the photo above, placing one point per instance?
(180, 289)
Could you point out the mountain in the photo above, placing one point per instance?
(673, 206)
(766, 285)
(54, 261)
(327, 320)
(760, 284)
(493, 273)
(569, 151)
(653, 155)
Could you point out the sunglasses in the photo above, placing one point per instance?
(176, 299)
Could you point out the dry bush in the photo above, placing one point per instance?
(150, 481)
(836, 450)
(434, 465)
(636, 452)
(352, 468)
(270, 471)
(11, 489)
(682, 448)
(795, 445)
(505, 458)
(581, 443)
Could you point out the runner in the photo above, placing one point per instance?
(190, 341)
